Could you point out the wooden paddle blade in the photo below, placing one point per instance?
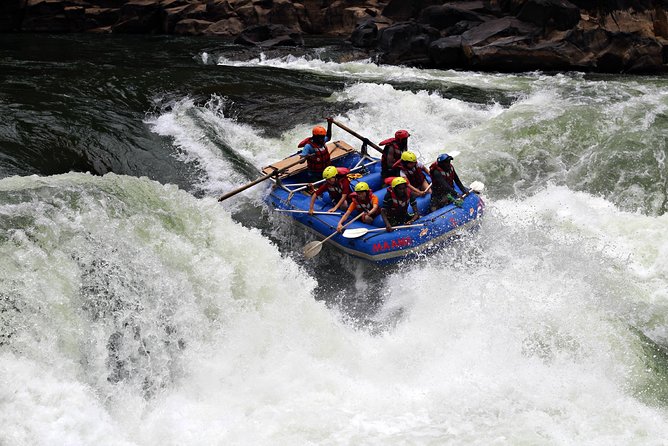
(312, 249)
(355, 233)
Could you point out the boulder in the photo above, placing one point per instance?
(101, 17)
(445, 16)
(139, 17)
(55, 16)
(559, 14)
(227, 27)
(302, 18)
(172, 15)
(515, 54)
(447, 52)
(497, 28)
(407, 43)
(191, 27)
(273, 34)
(313, 21)
(219, 9)
(283, 12)
(247, 14)
(629, 21)
(402, 10)
(365, 35)
(511, 7)
(459, 28)
(281, 41)
(630, 54)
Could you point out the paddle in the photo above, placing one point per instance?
(359, 232)
(259, 180)
(477, 187)
(356, 135)
(298, 211)
(311, 249)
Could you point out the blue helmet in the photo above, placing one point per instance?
(443, 157)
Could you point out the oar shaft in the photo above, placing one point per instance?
(357, 135)
(259, 180)
(298, 211)
(344, 226)
(397, 227)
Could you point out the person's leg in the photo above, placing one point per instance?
(398, 220)
(437, 203)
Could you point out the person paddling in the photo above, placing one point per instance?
(364, 199)
(338, 186)
(392, 150)
(314, 150)
(414, 172)
(444, 178)
(395, 205)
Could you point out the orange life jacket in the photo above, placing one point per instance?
(364, 205)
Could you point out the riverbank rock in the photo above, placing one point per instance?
(523, 35)
(500, 35)
(185, 17)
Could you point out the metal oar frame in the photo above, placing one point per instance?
(360, 167)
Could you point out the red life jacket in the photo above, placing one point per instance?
(399, 207)
(336, 190)
(415, 176)
(391, 153)
(436, 171)
(317, 161)
(342, 171)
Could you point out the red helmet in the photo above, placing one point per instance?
(401, 134)
(319, 131)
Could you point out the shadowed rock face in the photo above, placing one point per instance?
(328, 17)
(498, 35)
(525, 35)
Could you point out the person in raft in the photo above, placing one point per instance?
(338, 186)
(443, 179)
(392, 150)
(314, 150)
(364, 199)
(414, 172)
(395, 205)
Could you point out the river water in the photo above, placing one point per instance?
(137, 310)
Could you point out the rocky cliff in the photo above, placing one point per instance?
(500, 35)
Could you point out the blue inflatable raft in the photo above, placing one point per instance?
(289, 195)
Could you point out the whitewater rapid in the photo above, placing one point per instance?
(138, 314)
(526, 332)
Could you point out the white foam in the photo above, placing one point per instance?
(366, 70)
(519, 334)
